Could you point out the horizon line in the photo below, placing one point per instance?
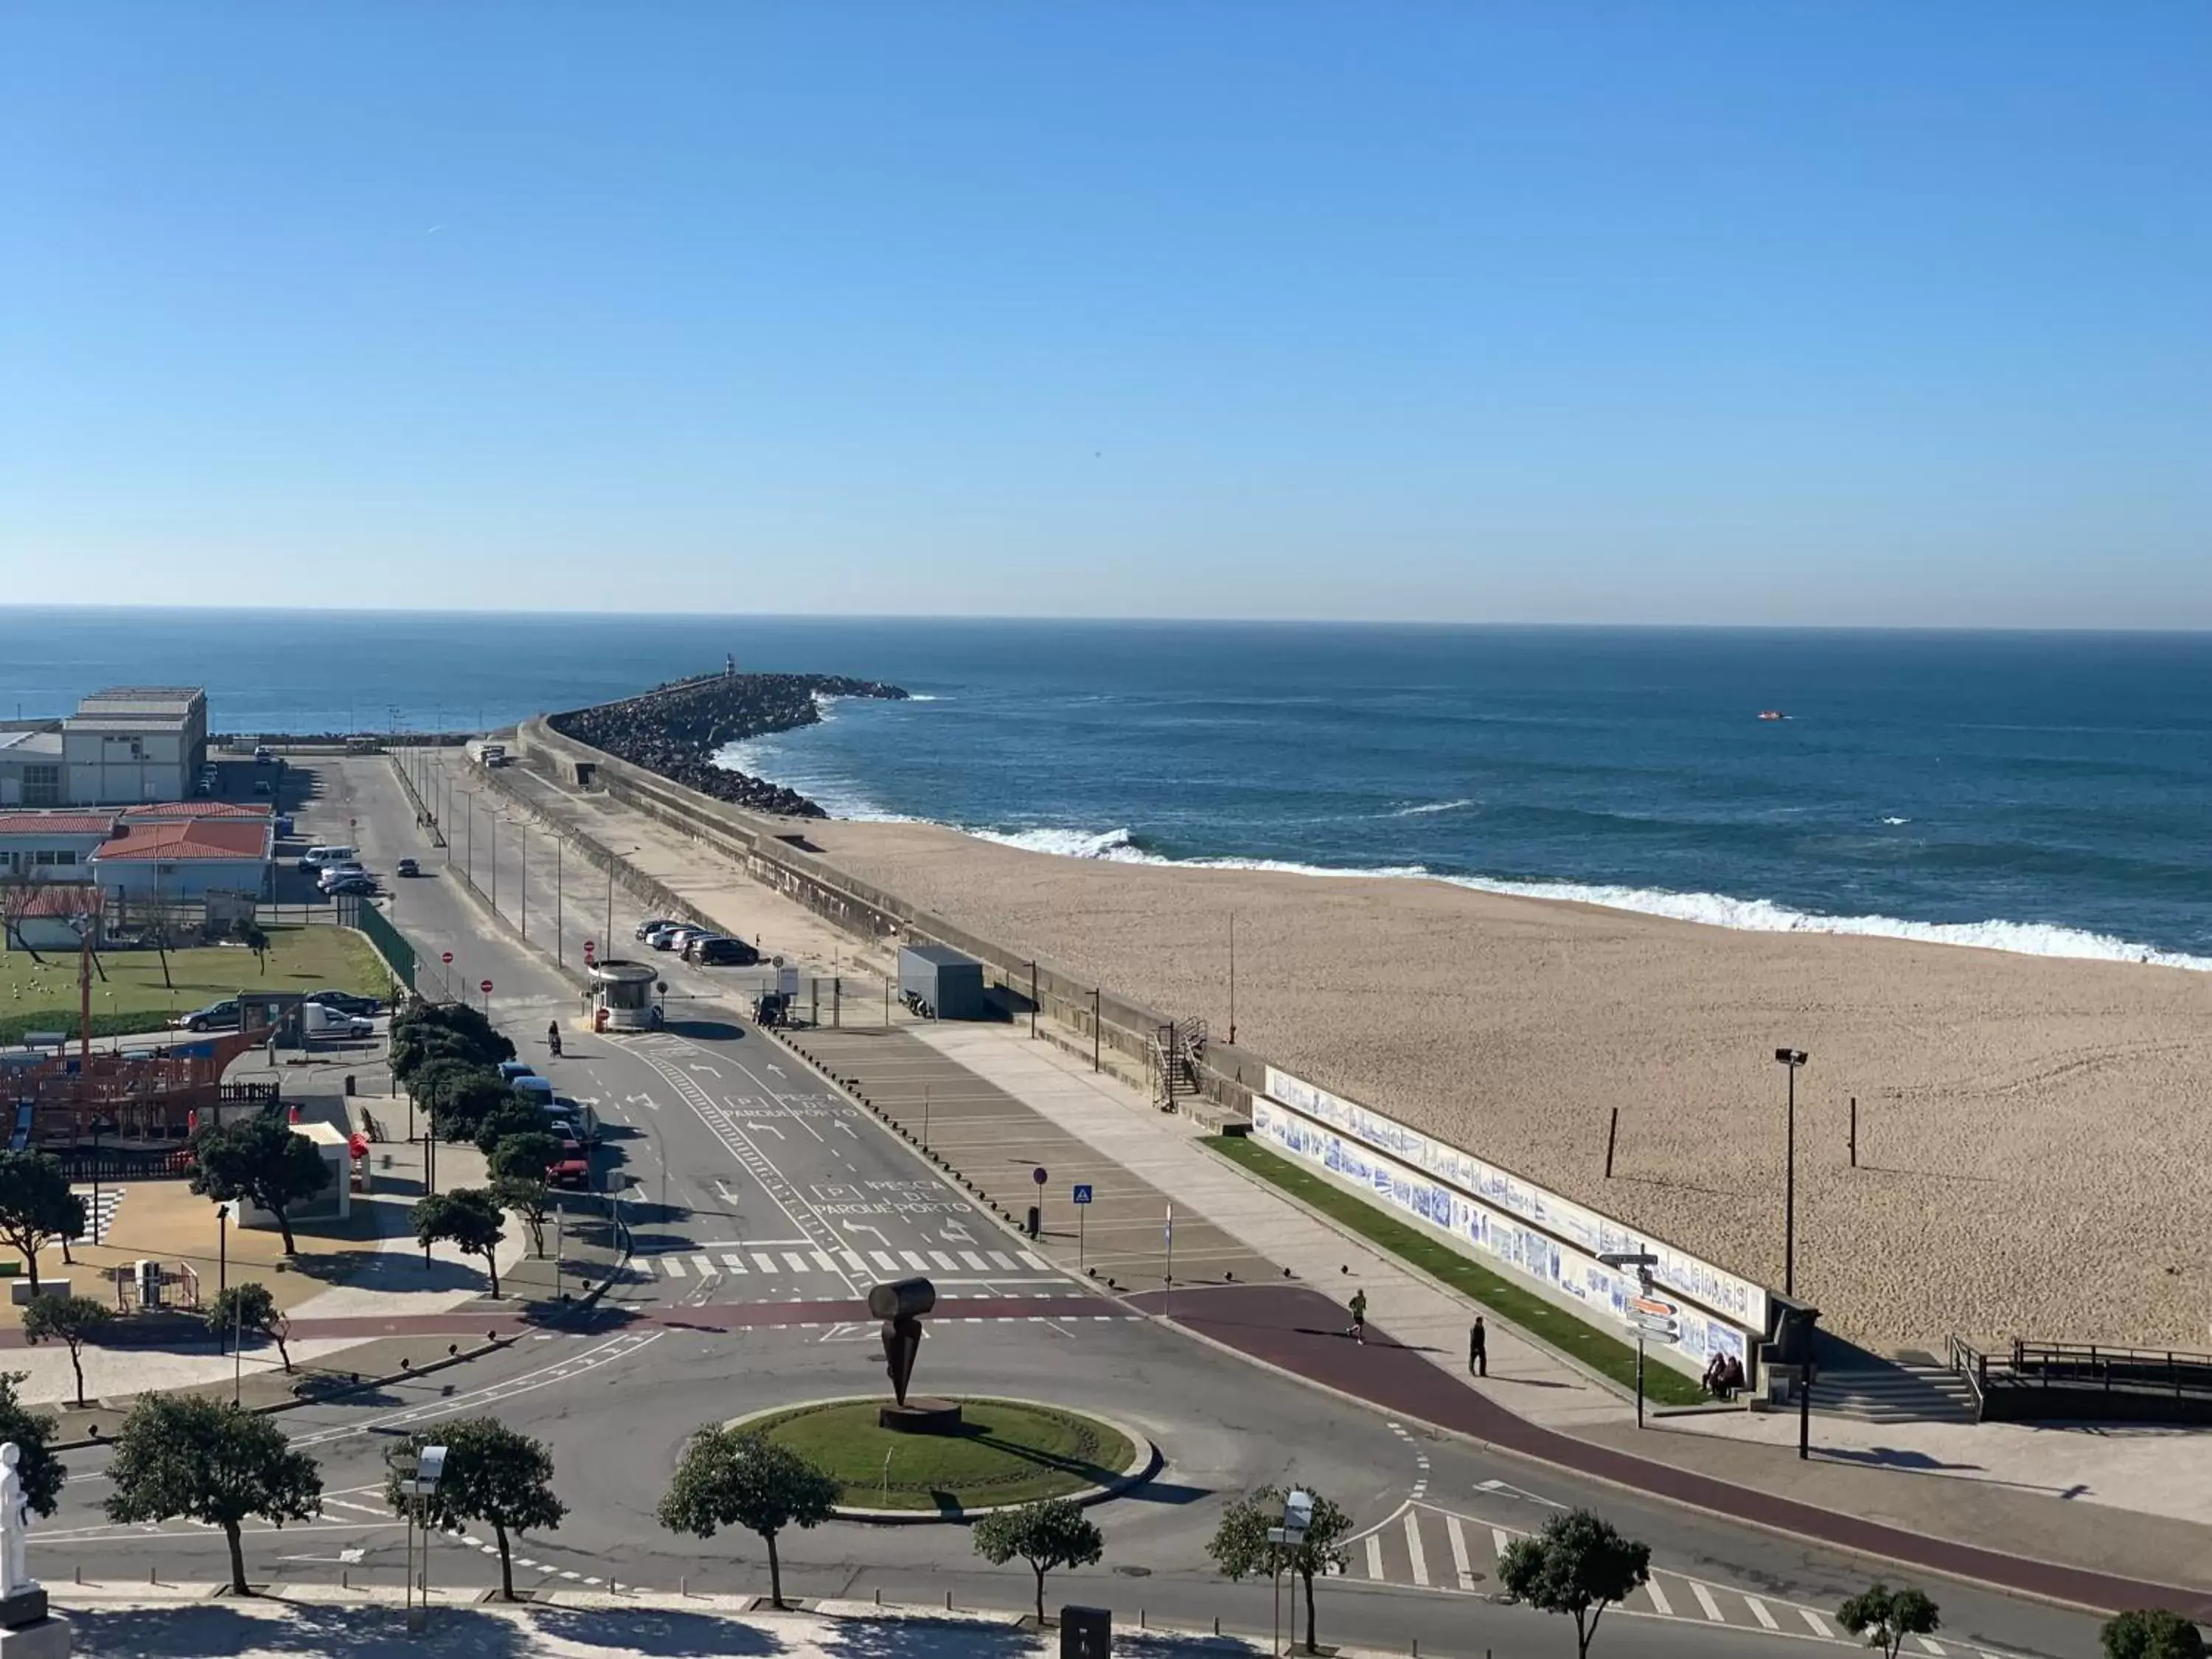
(1163, 622)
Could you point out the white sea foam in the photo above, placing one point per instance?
(1897, 820)
(1711, 909)
(1430, 806)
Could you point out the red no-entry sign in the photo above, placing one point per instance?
(448, 956)
(485, 987)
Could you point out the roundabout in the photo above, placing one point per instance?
(1001, 1453)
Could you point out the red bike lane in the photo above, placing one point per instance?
(1303, 1332)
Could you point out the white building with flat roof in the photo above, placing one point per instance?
(31, 766)
(134, 743)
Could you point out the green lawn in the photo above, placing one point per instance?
(43, 997)
(1005, 1453)
(1599, 1349)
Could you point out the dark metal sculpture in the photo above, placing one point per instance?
(901, 1305)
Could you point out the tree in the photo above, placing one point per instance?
(511, 1118)
(452, 1030)
(2152, 1634)
(1577, 1565)
(40, 1471)
(494, 1474)
(36, 1207)
(183, 1455)
(734, 1478)
(73, 1320)
(1885, 1617)
(257, 942)
(526, 1200)
(461, 1098)
(1240, 1547)
(258, 1159)
(468, 1217)
(249, 1310)
(1048, 1534)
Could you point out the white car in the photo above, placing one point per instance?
(663, 938)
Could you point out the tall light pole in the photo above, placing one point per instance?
(1232, 976)
(557, 901)
(1790, 1059)
(493, 817)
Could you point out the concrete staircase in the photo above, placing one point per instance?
(1915, 1387)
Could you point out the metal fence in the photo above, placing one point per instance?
(396, 951)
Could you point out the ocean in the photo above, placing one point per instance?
(2042, 792)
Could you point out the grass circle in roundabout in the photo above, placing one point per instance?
(1006, 1451)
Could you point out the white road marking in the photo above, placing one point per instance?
(1000, 1259)
(1460, 1563)
(915, 1261)
(852, 1261)
(1498, 1541)
(883, 1258)
(1820, 1624)
(734, 1262)
(765, 1263)
(705, 1264)
(1374, 1556)
(1929, 1645)
(1759, 1612)
(1414, 1551)
(822, 1260)
(943, 1260)
(975, 1262)
(673, 1265)
(1034, 1261)
(1705, 1600)
(795, 1262)
(1660, 1604)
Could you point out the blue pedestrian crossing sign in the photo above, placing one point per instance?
(1083, 1191)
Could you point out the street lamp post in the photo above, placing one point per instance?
(1790, 1059)
(557, 914)
(221, 1249)
(494, 816)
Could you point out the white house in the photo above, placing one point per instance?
(186, 858)
(51, 846)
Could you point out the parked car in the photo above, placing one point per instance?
(215, 1016)
(647, 929)
(351, 887)
(340, 870)
(572, 1169)
(663, 938)
(407, 868)
(724, 953)
(511, 1069)
(349, 1002)
(316, 857)
(263, 754)
(282, 824)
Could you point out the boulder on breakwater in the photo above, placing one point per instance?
(676, 730)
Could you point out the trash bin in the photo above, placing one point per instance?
(1087, 1632)
(1036, 1221)
(348, 1087)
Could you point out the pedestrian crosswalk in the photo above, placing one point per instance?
(1425, 1546)
(784, 1266)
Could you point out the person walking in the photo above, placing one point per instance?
(1478, 1349)
(1357, 1332)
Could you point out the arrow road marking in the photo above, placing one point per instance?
(1504, 1491)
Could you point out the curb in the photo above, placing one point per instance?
(1145, 1461)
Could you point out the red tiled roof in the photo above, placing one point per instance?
(198, 838)
(56, 823)
(159, 812)
(52, 898)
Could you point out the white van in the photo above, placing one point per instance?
(316, 857)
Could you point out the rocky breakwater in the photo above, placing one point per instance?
(676, 730)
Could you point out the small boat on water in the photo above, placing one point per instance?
(1773, 714)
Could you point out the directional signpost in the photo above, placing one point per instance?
(1652, 1317)
(1082, 1205)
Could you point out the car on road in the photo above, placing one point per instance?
(407, 868)
(647, 929)
(511, 1069)
(316, 857)
(362, 886)
(333, 874)
(663, 938)
(348, 1002)
(215, 1016)
(263, 754)
(318, 1021)
(724, 953)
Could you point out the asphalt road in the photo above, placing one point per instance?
(764, 1207)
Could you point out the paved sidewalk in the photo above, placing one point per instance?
(1162, 1148)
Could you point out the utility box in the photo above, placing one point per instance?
(938, 982)
(1087, 1632)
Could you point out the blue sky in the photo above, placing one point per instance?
(1718, 313)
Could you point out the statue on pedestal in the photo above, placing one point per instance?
(14, 1528)
(901, 1305)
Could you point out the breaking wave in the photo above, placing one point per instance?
(1430, 806)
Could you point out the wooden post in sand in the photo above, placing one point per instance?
(1855, 1132)
(1612, 1134)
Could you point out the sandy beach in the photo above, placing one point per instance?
(2030, 1162)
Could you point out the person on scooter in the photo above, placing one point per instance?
(553, 1038)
